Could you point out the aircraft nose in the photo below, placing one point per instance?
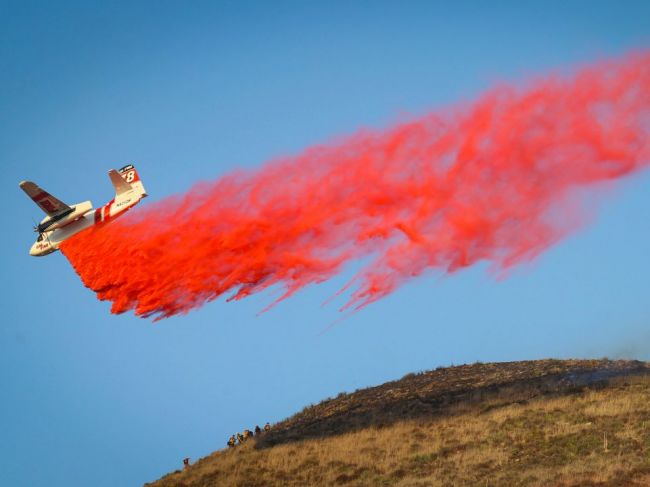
(36, 250)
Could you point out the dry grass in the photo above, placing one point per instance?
(598, 437)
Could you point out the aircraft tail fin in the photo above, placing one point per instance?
(130, 176)
(119, 183)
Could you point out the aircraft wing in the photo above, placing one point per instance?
(48, 203)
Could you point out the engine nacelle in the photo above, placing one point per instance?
(54, 222)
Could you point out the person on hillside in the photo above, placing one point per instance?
(248, 434)
(186, 463)
(240, 438)
(267, 426)
(231, 441)
(258, 430)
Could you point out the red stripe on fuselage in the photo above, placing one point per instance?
(107, 210)
(103, 214)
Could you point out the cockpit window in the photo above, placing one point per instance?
(40, 237)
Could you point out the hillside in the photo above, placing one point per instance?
(547, 422)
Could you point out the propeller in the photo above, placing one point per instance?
(41, 234)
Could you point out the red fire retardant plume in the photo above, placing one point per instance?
(495, 180)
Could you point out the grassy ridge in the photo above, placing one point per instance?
(559, 423)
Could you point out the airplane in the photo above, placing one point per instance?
(63, 221)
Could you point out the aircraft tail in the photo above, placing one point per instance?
(130, 176)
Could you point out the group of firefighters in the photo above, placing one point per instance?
(239, 438)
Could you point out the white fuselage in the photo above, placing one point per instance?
(50, 240)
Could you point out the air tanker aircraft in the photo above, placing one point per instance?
(63, 221)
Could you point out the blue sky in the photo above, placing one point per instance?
(189, 91)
